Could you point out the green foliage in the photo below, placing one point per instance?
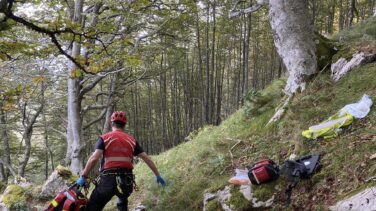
(258, 102)
(15, 198)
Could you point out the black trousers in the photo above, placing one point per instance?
(108, 186)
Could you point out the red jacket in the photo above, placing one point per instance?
(119, 148)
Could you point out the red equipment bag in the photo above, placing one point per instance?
(263, 171)
(69, 200)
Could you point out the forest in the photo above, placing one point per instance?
(174, 66)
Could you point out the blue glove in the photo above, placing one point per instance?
(81, 181)
(160, 180)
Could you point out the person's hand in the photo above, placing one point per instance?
(160, 180)
(81, 181)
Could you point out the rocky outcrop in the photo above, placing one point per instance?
(14, 198)
(59, 180)
(364, 200)
(223, 197)
(342, 66)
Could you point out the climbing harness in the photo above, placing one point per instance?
(118, 173)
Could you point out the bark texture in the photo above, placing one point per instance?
(74, 133)
(293, 37)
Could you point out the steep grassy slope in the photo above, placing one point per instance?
(207, 161)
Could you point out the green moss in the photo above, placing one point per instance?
(258, 102)
(325, 49)
(265, 191)
(238, 201)
(213, 205)
(15, 198)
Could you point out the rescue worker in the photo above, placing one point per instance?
(116, 177)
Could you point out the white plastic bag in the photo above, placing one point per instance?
(358, 110)
(240, 178)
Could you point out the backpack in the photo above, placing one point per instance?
(71, 199)
(263, 171)
(302, 168)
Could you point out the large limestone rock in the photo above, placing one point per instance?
(223, 197)
(14, 198)
(59, 180)
(364, 201)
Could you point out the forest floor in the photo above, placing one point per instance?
(207, 161)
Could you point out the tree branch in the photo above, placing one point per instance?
(96, 80)
(92, 107)
(95, 120)
(240, 12)
(9, 167)
(63, 134)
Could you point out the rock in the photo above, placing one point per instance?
(246, 191)
(223, 196)
(342, 66)
(364, 200)
(57, 182)
(14, 198)
(208, 197)
(22, 182)
(3, 207)
(262, 204)
(140, 207)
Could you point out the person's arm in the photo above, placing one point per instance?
(91, 162)
(149, 162)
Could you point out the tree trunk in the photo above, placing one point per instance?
(74, 147)
(4, 137)
(246, 54)
(200, 72)
(111, 104)
(28, 132)
(340, 19)
(207, 93)
(352, 12)
(293, 37)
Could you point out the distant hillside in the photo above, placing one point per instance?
(207, 161)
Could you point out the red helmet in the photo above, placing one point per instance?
(119, 116)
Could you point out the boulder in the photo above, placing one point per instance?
(364, 200)
(14, 198)
(58, 181)
(223, 197)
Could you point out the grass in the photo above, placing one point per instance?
(360, 37)
(206, 164)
